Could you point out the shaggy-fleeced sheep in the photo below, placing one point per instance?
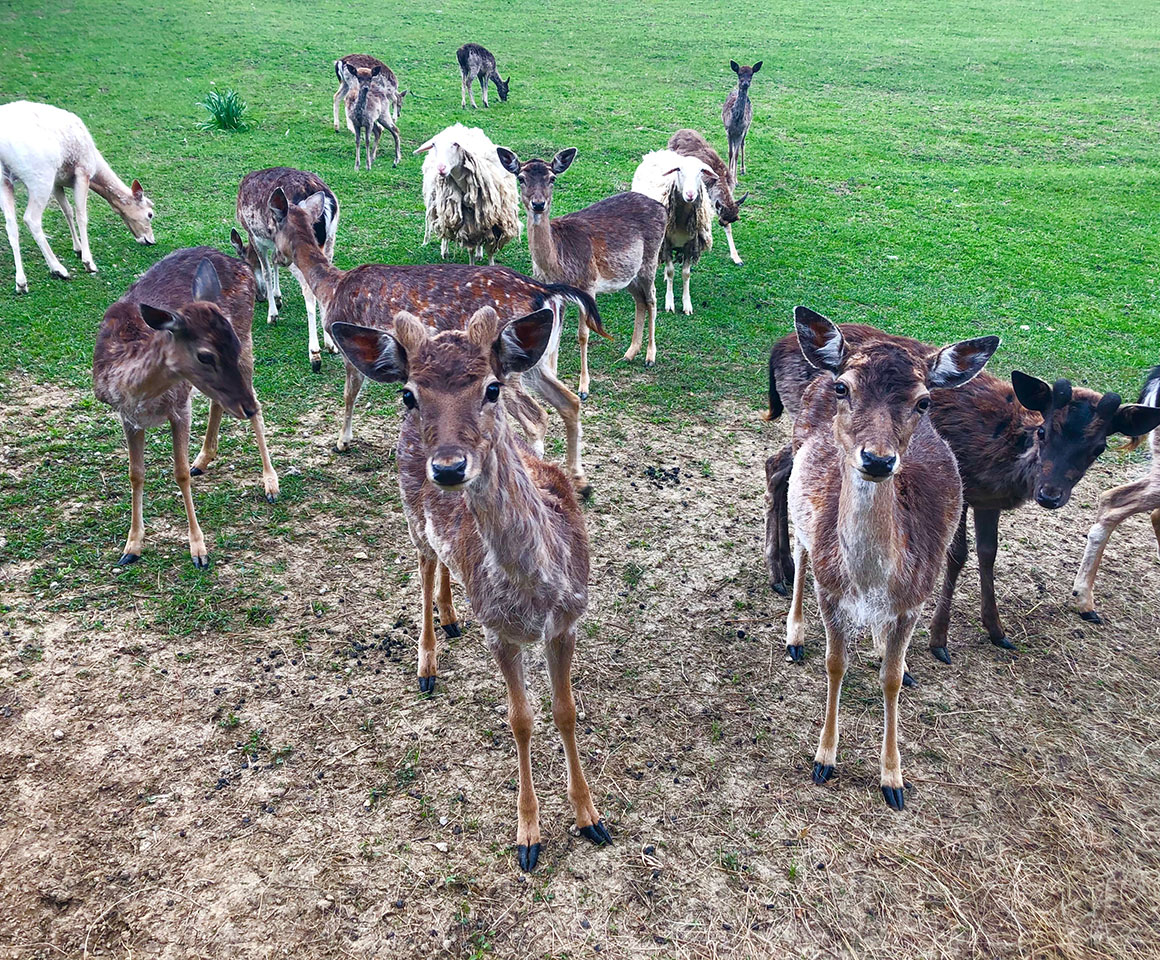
(690, 143)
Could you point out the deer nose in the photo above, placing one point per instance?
(449, 474)
(876, 466)
(1049, 497)
(537, 206)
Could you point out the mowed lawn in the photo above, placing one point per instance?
(939, 170)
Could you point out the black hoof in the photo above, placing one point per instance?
(781, 588)
(452, 629)
(1003, 643)
(271, 498)
(316, 366)
(1091, 616)
(584, 395)
(128, 558)
(427, 685)
(821, 773)
(586, 492)
(202, 563)
(649, 363)
(338, 449)
(528, 855)
(940, 653)
(894, 798)
(195, 471)
(597, 833)
(795, 654)
(908, 680)
(278, 303)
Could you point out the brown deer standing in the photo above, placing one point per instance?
(477, 61)
(504, 522)
(1014, 441)
(438, 294)
(737, 114)
(357, 61)
(614, 244)
(874, 496)
(184, 324)
(368, 109)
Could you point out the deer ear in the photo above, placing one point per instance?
(160, 319)
(757, 66)
(563, 160)
(278, 206)
(822, 343)
(239, 246)
(734, 67)
(138, 193)
(1135, 420)
(960, 362)
(508, 160)
(374, 353)
(206, 283)
(522, 342)
(1030, 391)
(376, 71)
(317, 208)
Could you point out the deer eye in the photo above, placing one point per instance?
(520, 179)
(840, 389)
(409, 400)
(491, 394)
(1041, 433)
(204, 356)
(923, 405)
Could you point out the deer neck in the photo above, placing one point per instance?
(739, 104)
(545, 256)
(321, 275)
(106, 184)
(868, 528)
(142, 372)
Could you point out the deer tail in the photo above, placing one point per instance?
(775, 405)
(589, 312)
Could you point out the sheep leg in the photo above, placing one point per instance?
(686, 299)
(670, 306)
(12, 225)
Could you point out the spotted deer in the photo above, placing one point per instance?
(613, 244)
(371, 294)
(479, 62)
(184, 324)
(737, 115)
(482, 507)
(874, 496)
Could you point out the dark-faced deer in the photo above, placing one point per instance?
(875, 497)
(476, 61)
(737, 115)
(184, 324)
(1119, 503)
(614, 244)
(1014, 442)
(690, 143)
(482, 507)
(360, 61)
(371, 294)
(253, 199)
(48, 149)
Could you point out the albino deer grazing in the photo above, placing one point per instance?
(1119, 503)
(185, 323)
(737, 114)
(358, 61)
(483, 508)
(875, 498)
(48, 149)
(439, 294)
(690, 143)
(368, 109)
(253, 199)
(613, 244)
(476, 61)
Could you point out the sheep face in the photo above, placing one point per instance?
(690, 177)
(535, 178)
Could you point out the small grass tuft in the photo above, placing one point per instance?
(227, 111)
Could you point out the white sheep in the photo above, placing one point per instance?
(470, 198)
(682, 185)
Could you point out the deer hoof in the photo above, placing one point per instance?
(1091, 616)
(597, 833)
(1003, 643)
(894, 797)
(781, 587)
(427, 685)
(271, 498)
(940, 653)
(128, 558)
(585, 492)
(452, 629)
(316, 364)
(195, 471)
(202, 563)
(278, 303)
(528, 855)
(908, 680)
(794, 654)
(583, 395)
(650, 363)
(22, 287)
(61, 275)
(822, 772)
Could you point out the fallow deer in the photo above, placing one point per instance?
(690, 143)
(185, 323)
(368, 110)
(253, 199)
(476, 61)
(438, 293)
(359, 61)
(737, 114)
(1014, 441)
(1119, 503)
(874, 496)
(48, 149)
(614, 244)
(481, 505)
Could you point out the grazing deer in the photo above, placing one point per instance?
(371, 294)
(368, 109)
(185, 323)
(48, 149)
(690, 143)
(253, 199)
(482, 506)
(1014, 442)
(476, 61)
(737, 114)
(358, 61)
(613, 244)
(874, 496)
(1119, 503)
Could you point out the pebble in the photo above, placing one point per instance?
(57, 734)
(361, 555)
(324, 904)
(441, 847)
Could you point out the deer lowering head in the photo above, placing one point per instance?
(289, 224)
(137, 211)
(536, 178)
(1075, 430)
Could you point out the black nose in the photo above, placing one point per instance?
(537, 207)
(449, 474)
(877, 466)
(1049, 497)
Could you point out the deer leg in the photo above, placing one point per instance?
(269, 474)
(483, 84)
(795, 621)
(956, 557)
(328, 249)
(686, 298)
(12, 225)
(670, 305)
(568, 405)
(733, 254)
(311, 319)
(340, 95)
(511, 664)
(778, 559)
(81, 198)
(1156, 528)
(741, 151)
(827, 756)
(897, 636)
(66, 208)
(32, 218)
(209, 445)
(448, 618)
(558, 652)
(390, 125)
(270, 272)
(428, 564)
(471, 93)
(357, 146)
(136, 539)
(987, 548)
(582, 333)
(354, 382)
(463, 91)
(1116, 505)
(179, 424)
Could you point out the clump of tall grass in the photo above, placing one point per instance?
(227, 111)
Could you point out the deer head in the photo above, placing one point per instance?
(744, 74)
(536, 178)
(288, 223)
(137, 212)
(501, 86)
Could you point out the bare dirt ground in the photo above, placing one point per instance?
(280, 788)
